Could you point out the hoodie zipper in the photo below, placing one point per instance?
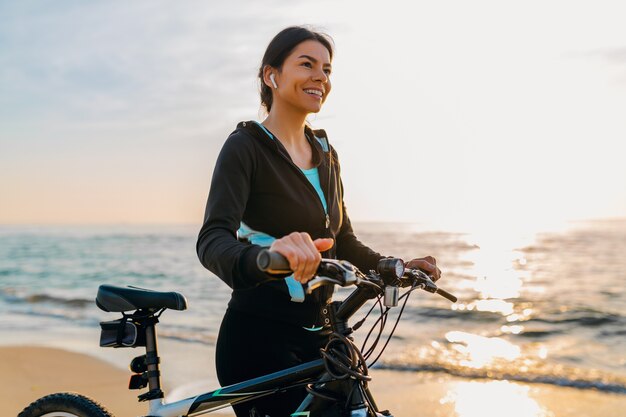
(308, 184)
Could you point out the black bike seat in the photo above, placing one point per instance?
(119, 299)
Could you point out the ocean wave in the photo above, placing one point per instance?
(201, 336)
(73, 316)
(587, 318)
(11, 295)
(448, 314)
(128, 275)
(6, 272)
(557, 320)
(604, 383)
(618, 332)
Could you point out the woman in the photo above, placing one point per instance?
(277, 184)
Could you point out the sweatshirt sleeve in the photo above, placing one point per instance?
(348, 246)
(217, 247)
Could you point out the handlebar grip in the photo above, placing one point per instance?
(272, 262)
(446, 294)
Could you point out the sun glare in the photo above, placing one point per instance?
(493, 306)
(479, 351)
(491, 399)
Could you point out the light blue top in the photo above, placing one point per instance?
(313, 176)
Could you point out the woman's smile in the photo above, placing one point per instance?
(315, 93)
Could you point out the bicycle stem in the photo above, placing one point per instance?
(354, 302)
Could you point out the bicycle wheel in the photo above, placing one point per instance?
(66, 404)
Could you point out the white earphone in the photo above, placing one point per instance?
(273, 80)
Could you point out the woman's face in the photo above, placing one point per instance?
(304, 80)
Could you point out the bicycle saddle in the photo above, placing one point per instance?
(119, 299)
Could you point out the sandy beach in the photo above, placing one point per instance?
(29, 372)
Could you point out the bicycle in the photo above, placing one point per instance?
(336, 383)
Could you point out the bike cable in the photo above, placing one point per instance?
(406, 299)
(359, 323)
(382, 319)
(343, 359)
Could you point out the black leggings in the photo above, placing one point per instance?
(249, 346)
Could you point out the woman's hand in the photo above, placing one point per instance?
(427, 264)
(302, 252)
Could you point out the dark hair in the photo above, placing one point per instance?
(279, 49)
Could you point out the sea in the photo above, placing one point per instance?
(543, 306)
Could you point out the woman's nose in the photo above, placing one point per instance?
(320, 76)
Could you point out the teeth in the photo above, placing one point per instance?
(316, 92)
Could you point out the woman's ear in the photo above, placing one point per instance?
(269, 77)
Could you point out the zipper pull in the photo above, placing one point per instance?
(327, 221)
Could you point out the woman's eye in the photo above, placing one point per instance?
(309, 65)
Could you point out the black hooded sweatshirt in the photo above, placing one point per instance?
(256, 182)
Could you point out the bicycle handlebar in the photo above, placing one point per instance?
(418, 277)
(272, 262)
(343, 273)
(329, 271)
(445, 294)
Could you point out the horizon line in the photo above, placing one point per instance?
(175, 223)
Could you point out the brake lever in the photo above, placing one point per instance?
(423, 280)
(317, 282)
(332, 271)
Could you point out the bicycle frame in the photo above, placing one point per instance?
(312, 372)
(243, 391)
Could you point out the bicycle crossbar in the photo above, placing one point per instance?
(242, 391)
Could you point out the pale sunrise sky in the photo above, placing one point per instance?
(448, 113)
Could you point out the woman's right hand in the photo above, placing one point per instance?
(302, 252)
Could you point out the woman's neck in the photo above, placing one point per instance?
(288, 125)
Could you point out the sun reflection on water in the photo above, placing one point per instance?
(479, 351)
(492, 305)
(497, 282)
(515, 329)
(498, 264)
(495, 398)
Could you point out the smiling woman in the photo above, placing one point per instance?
(277, 184)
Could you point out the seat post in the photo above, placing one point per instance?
(152, 362)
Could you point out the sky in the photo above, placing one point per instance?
(451, 113)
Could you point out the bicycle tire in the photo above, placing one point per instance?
(65, 404)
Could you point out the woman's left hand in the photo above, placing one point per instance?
(427, 264)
